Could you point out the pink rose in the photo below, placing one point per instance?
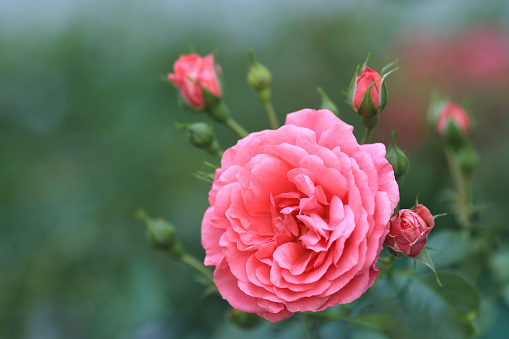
(455, 113)
(298, 217)
(365, 80)
(409, 230)
(191, 70)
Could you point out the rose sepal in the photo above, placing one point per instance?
(352, 87)
(383, 86)
(423, 257)
(327, 103)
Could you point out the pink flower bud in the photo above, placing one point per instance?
(193, 71)
(455, 113)
(365, 80)
(408, 232)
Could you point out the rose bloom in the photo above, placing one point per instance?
(365, 80)
(455, 113)
(409, 230)
(202, 71)
(298, 217)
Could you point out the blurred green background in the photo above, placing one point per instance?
(87, 137)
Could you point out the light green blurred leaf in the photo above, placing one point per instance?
(451, 247)
(384, 323)
(439, 312)
(499, 265)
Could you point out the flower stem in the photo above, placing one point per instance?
(233, 125)
(462, 185)
(367, 134)
(274, 124)
(197, 265)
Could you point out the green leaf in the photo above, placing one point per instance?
(451, 247)
(424, 258)
(439, 312)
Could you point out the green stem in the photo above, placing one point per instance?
(274, 124)
(367, 133)
(233, 125)
(462, 185)
(197, 265)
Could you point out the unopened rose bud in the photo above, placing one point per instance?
(161, 234)
(408, 231)
(258, 78)
(197, 81)
(242, 319)
(453, 124)
(367, 93)
(368, 80)
(201, 135)
(453, 113)
(397, 158)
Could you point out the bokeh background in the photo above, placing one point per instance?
(87, 137)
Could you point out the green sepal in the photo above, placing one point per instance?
(424, 258)
(385, 69)
(210, 100)
(203, 176)
(327, 103)
(364, 64)
(383, 90)
(439, 215)
(221, 112)
(453, 137)
(350, 93)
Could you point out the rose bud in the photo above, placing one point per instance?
(367, 93)
(408, 231)
(201, 135)
(397, 158)
(368, 79)
(258, 78)
(453, 122)
(196, 79)
(161, 234)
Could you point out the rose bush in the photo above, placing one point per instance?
(193, 71)
(408, 232)
(298, 217)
